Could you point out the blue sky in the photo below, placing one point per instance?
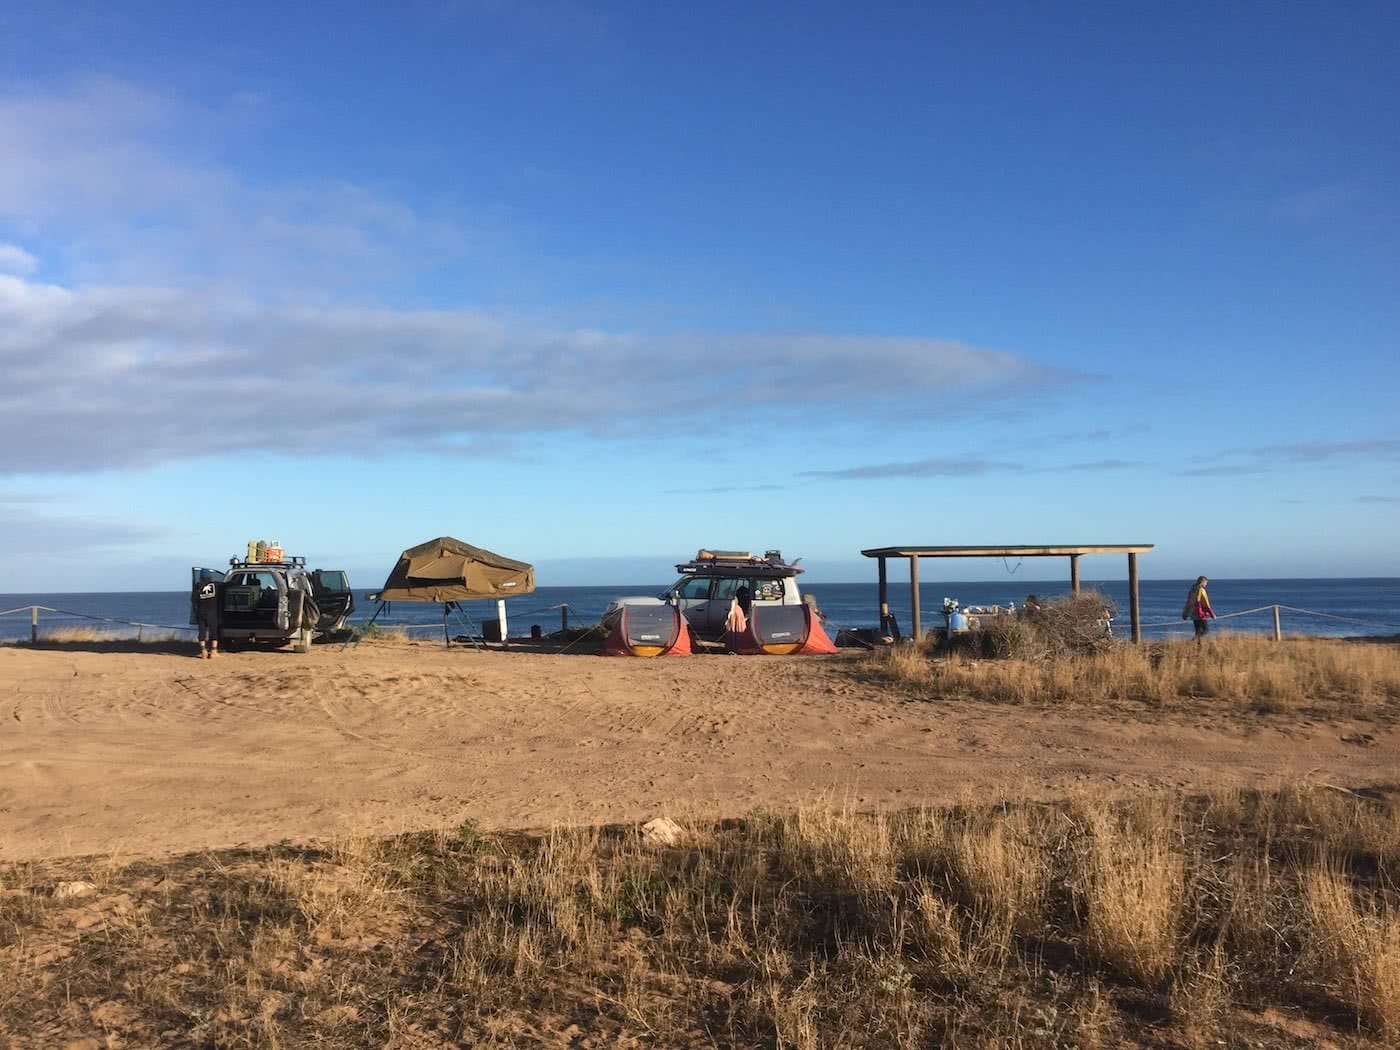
(596, 284)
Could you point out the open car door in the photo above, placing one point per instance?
(195, 573)
(334, 598)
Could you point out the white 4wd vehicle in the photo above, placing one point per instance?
(714, 580)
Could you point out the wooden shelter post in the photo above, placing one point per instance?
(914, 621)
(884, 600)
(1133, 598)
(1074, 573)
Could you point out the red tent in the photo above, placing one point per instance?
(648, 630)
(781, 630)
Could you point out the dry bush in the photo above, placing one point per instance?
(1066, 626)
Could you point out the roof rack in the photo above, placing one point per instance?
(737, 562)
(291, 560)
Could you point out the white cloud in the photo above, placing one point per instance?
(24, 533)
(14, 259)
(100, 377)
(145, 354)
(133, 185)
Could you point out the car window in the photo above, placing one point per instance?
(729, 587)
(331, 581)
(254, 579)
(769, 590)
(695, 587)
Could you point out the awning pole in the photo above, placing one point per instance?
(501, 615)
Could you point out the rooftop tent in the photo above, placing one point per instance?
(448, 570)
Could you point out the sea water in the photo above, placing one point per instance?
(1367, 606)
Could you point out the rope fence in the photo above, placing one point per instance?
(564, 609)
(141, 626)
(1278, 626)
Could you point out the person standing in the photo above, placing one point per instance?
(1197, 608)
(206, 605)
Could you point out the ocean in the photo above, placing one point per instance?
(1362, 606)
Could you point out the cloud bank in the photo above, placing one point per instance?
(963, 467)
(1265, 459)
(99, 377)
(202, 309)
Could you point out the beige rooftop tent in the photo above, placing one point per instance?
(448, 570)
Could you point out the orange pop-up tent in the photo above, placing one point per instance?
(648, 630)
(781, 630)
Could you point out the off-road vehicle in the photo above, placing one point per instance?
(274, 603)
(713, 580)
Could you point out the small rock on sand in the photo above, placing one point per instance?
(62, 890)
(662, 831)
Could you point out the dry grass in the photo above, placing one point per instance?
(1244, 671)
(1354, 948)
(106, 637)
(1151, 922)
(378, 633)
(1130, 875)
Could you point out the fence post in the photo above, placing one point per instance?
(1278, 629)
(33, 625)
(564, 618)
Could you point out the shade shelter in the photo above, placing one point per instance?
(1073, 553)
(448, 571)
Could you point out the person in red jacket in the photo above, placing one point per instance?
(1197, 608)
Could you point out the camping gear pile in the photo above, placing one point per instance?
(260, 552)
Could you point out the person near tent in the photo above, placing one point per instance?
(1197, 608)
(206, 604)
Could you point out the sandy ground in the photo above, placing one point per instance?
(142, 753)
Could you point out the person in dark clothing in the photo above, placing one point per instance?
(206, 605)
(745, 598)
(1197, 608)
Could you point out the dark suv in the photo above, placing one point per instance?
(277, 602)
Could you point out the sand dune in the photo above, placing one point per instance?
(150, 752)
